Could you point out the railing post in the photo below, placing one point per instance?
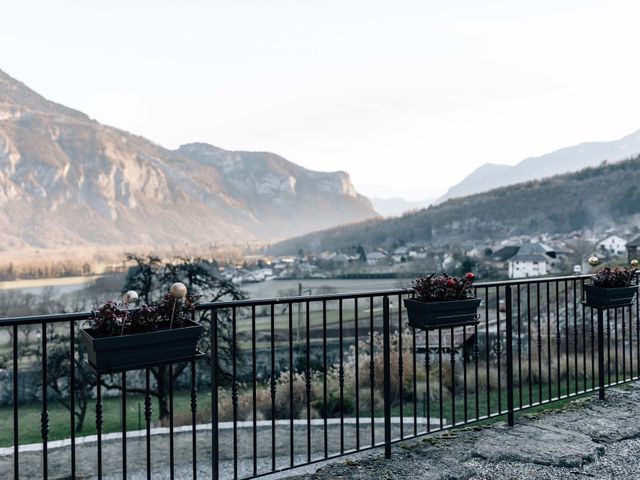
(387, 376)
(99, 423)
(16, 440)
(509, 307)
(601, 352)
(215, 472)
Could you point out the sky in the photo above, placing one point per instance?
(408, 97)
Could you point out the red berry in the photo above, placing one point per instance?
(451, 282)
(470, 276)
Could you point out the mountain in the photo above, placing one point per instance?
(570, 159)
(593, 198)
(284, 197)
(392, 207)
(65, 179)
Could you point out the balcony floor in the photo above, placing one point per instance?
(587, 438)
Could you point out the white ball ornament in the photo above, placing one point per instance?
(178, 290)
(130, 297)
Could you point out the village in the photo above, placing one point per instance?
(513, 258)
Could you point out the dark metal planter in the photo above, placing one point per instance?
(599, 297)
(127, 352)
(432, 315)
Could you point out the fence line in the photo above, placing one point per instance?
(304, 379)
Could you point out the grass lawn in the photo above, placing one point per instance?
(59, 417)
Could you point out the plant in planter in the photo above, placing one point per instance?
(120, 339)
(611, 286)
(442, 301)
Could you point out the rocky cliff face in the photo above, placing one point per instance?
(273, 188)
(68, 180)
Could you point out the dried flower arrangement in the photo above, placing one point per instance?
(120, 338)
(613, 277)
(612, 287)
(174, 310)
(442, 301)
(442, 288)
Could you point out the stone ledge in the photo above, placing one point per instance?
(588, 438)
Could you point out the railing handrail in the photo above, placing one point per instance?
(266, 363)
(49, 318)
(79, 316)
(524, 281)
(302, 299)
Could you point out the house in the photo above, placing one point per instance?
(416, 255)
(306, 269)
(480, 251)
(501, 257)
(505, 253)
(340, 258)
(497, 262)
(279, 266)
(401, 251)
(326, 256)
(530, 261)
(400, 254)
(611, 246)
(259, 275)
(375, 258)
(633, 248)
(557, 256)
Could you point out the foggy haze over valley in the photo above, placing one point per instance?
(68, 180)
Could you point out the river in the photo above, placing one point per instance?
(62, 284)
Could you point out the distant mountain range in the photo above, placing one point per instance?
(570, 159)
(595, 198)
(65, 179)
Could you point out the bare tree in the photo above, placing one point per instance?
(59, 379)
(152, 279)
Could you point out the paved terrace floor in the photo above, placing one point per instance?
(586, 439)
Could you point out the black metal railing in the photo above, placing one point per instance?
(287, 382)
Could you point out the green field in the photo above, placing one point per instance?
(59, 418)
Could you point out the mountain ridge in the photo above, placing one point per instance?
(66, 179)
(593, 198)
(563, 160)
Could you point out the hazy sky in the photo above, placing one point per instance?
(408, 97)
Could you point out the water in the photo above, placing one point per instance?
(62, 285)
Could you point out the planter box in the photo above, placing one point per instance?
(599, 297)
(432, 315)
(128, 352)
